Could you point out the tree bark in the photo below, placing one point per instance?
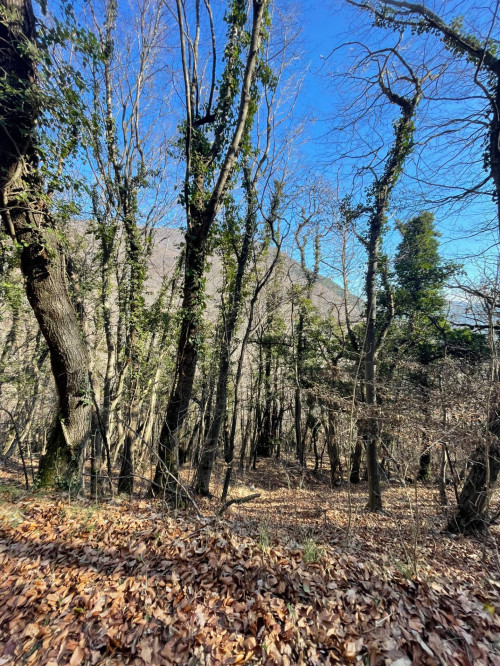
(187, 358)
(424, 471)
(371, 426)
(443, 500)
(482, 55)
(356, 461)
(403, 142)
(264, 445)
(30, 224)
(470, 516)
(209, 452)
(333, 448)
(201, 212)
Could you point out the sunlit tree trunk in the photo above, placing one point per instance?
(202, 208)
(230, 324)
(31, 225)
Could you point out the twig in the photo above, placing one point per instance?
(237, 500)
(165, 469)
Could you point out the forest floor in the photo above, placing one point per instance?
(300, 575)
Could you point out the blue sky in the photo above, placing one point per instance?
(327, 25)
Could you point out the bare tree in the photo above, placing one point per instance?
(211, 145)
(479, 50)
(376, 208)
(127, 201)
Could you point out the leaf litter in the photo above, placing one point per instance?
(129, 583)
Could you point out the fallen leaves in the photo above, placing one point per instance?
(122, 584)
(77, 657)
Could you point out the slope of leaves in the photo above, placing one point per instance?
(131, 584)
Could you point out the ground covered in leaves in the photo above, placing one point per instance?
(302, 575)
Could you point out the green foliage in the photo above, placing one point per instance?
(53, 96)
(59, 94)
(264, 536)
(482, 55)
(11, 287)
(312, 552)
(420, 271)
(457, 342)
(421, 332)
(204, 143)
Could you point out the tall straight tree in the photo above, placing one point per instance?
(381, 192)
(243, 243)
(127, 201)
(306, 225)
(230, 322)
(376, 208)
(28, 221)
(213, 134)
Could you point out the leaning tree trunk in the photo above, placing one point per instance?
(165, 479)
(471, 513)
(31, 226)
(47, 292)
(209, 452)
(202, 206)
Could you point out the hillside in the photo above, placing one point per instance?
(202, 462)
(327, 296)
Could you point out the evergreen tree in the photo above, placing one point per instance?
(420, 271)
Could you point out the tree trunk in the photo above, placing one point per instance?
(443, 500)
(235, 298)
(202, 206)
(471, 514)
(126, 477)
(356, 461)
(371, 425)
(424, 470)
(402, 146)
(136, 260)
(32, 227)
(264, 445)
(314, 436)
(187, 358)
(299, 437)
(210, 446)
(494, 142)
(48, 296)
(333, 448)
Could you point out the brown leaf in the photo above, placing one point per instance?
(78, 656)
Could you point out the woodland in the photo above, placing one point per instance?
(249, 332)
